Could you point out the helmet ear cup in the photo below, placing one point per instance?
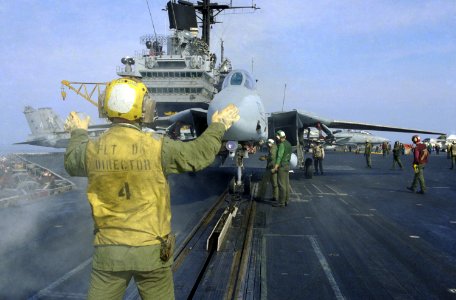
(101, 108)
(148, 109)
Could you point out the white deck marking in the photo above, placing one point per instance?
(321, 258)
(297, 197)
(264, 278)
(299, 200)
(362, 215)
(47, 291)
(335, 191)
(307, 189)
(294, 193)
(343, 201)
(319, 191)
(54, 295)
(324, 264)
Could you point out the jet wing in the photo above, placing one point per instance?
(366, 126)
(342, 140)
(194, 117)
(52, 142)
(60, 139)
(99, 126)
(294, 122)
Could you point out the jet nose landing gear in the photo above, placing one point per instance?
(240, 185)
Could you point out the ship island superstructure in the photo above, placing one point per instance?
(178, 70)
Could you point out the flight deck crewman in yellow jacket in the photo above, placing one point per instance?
(128, 189)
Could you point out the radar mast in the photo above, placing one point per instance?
(208, 13)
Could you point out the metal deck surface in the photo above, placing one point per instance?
(46, 243)
(357, 233)
(354, 233)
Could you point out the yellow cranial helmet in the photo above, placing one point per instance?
(126, 98)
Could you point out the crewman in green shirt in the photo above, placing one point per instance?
(367, 154)
(397, 155)
(282, 166)
(452, 152)
(128, 190)
(268, 175)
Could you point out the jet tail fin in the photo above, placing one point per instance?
(43, 121)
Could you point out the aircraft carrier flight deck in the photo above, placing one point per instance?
(353, 233)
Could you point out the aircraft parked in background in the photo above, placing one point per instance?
(451, 138)
(242, 139)
(442, 141)
(348, 137)
(47, 128)
(357, 137)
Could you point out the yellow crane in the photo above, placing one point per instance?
(81, 88)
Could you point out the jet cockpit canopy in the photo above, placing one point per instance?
(239, 78)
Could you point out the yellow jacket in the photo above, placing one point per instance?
(128, 189)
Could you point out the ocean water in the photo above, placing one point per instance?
(8, 149)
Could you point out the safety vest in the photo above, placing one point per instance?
(318, 151)
(368, 148)
(453, 150)
(127, 189)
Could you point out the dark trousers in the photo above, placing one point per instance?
(397, 159)
(368, 160)
(318, 165)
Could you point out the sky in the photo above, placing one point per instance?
(382, 62)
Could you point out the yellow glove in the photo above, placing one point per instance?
(227, 116)
(73, 121)
(415, 168)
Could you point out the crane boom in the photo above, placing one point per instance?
(81, 88)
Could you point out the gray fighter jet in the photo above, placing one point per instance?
(47, 128)
(254, 126)
(348, 137)
(352, 137)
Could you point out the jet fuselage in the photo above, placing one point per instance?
(239, 89)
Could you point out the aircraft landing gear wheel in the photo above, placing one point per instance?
(232, 186)
(308, 166)
(247, 185)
